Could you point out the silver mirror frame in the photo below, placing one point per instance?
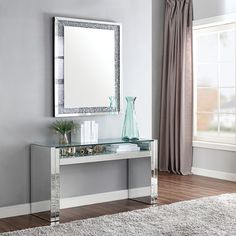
(59, 109)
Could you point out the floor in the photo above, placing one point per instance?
(172, 188)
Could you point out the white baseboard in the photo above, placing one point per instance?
(24, 209)
(214, 174)
(16, 210)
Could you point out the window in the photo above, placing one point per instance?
(214, 54)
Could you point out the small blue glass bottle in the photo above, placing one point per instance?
(130, 127)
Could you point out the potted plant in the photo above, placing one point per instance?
(63, 128)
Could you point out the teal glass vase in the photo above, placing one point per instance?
(130, 127)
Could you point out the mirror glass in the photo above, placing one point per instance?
(87, 67)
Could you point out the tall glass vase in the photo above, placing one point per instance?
(130, 127)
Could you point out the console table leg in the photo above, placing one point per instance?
(154, 171)
(55, 186)
(152, 197)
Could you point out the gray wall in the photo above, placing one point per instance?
(210, 8)
(26, 83)
(208, 158)
(215, 160)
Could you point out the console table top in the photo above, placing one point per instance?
(99, 142)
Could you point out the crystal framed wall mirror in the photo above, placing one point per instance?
(87, 67)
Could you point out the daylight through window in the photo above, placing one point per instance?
(214, 83)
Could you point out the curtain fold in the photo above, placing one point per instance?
(176, 122)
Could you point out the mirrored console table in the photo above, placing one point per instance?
(47, 159)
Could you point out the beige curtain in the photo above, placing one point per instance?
(177, 93)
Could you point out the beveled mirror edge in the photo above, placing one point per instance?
(56, 112)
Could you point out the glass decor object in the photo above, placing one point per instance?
(64, 129)
(113, 104)
(130, 127)
(63, 138)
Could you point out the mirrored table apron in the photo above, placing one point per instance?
(46, 160)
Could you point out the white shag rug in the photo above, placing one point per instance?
(205, 216)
